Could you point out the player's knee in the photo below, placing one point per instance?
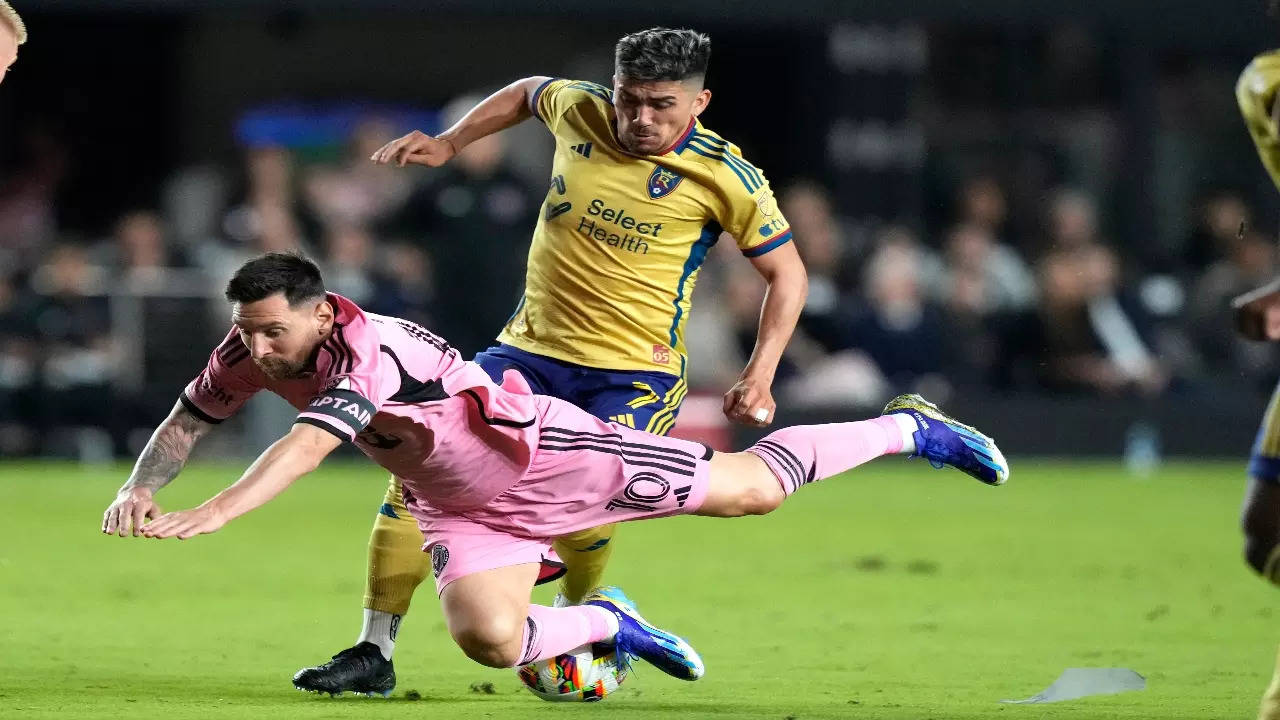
(491, 641)
(760, 497)
(768, 497)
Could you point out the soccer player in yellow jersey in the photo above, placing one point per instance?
(639, 193)
(1258, 317)
(12, 34)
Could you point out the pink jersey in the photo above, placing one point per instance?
(403, 396)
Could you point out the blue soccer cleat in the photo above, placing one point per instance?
(637, 638)
(942, 440)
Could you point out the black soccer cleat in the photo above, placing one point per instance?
(360, 669)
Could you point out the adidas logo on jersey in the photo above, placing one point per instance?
(583, 149)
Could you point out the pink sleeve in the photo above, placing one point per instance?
(219, 390)
(354, 388)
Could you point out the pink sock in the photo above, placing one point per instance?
(802, 454)
(553, 631)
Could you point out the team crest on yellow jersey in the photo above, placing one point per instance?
(662, 182)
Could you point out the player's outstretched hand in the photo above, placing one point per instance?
(749, 402)
(416, 147)
(185, 523)
(128, 511)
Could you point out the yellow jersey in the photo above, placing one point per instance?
(621, 237)
(1256, 93)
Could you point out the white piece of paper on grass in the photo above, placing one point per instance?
(1076, 683)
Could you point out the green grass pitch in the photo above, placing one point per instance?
(893, 592)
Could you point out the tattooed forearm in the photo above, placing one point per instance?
(165, 454)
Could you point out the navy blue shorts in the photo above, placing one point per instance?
(642, 400)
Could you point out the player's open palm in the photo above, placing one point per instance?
(184, 524)
(129, 511)
(416, 147)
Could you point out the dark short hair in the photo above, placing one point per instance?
(289, 273)
(662, 54)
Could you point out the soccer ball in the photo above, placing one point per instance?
(585, 674)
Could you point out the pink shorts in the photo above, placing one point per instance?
(585, 473)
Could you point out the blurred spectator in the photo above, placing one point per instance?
(268, 220)
(1072, 221)
(193, 201)
(359, 193)
(19, 357)
(830, 306)
(1086, 335)
(270, 177)
(348, 263)
(475, 217)
(980, 284)
(28, 218)
(76, 349)
(278, 230)
(901, 330)
(405, 289)
(982, 277)
(1219, 220)
(392, 280)
(1250, 261)
(138, 248)
(983, 205)
(711, 333)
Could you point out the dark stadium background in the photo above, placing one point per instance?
(888, 109)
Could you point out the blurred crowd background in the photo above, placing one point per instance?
(1034, 211)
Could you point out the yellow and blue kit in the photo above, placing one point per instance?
(621, 237)
(615, 256)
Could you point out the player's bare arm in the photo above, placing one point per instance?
(1257, 312)
(501, 110)
(160, 462)
(750, 400)
(279, 466)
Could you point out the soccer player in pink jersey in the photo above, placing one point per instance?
(492, 473)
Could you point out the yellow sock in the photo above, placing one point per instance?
(1270, 708)
(584, 554)
(397, 564)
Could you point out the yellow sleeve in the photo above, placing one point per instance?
(554, 97)
(1256, 93)
(751, 213)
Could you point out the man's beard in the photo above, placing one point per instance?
(281, 370)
